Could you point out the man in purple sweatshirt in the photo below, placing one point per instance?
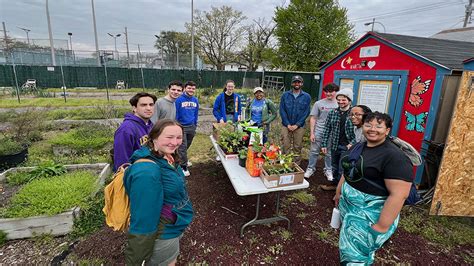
(187, 108)
(133, 132)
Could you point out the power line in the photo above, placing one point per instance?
(408, 11)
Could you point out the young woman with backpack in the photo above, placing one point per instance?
(160, 209)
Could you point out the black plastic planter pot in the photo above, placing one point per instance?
(242, 161)
(12, 160)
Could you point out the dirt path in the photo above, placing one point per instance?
(213, 237)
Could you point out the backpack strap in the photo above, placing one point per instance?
(144, 160)
(354, 156)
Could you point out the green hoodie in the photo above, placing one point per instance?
(269, 111)
(150, 186)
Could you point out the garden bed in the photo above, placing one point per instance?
(58, 224)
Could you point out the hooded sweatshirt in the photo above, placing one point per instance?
(154, 189)
(129, 137)
(187, 108)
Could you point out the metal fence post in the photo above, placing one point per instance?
(16, 79)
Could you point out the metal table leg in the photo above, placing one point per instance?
(275, 218)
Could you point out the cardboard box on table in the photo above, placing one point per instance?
(281, 180)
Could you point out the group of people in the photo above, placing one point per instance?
(370, 175)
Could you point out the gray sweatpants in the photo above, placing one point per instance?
(188, 135)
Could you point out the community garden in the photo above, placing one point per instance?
(67, 142)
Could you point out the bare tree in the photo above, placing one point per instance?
(259, 35)
(218, 34)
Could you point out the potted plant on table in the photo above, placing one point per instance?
(231, 140)
(283, 173)
(243, 156)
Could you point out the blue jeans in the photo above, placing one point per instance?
(314, 155)
(335, 159)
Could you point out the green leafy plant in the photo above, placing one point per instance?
(50, 196)
(285, 166)
(230, 140)
(92, 217)
(10, 146)
(47, 169)
(18, 178)
(243, 153)
(3, 237)
(85, 138)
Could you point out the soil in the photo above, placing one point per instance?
(6, 192)
(214, 235)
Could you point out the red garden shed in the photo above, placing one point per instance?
(413, 79)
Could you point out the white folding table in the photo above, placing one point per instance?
(245, 185)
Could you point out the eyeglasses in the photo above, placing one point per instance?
(356, 115)
(369, 126)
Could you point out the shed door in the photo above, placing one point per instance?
(382, 92)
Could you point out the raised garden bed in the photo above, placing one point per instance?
(58, 224)
(86, 139)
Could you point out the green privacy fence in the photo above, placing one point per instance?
(52, 77)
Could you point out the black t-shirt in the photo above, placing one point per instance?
(385, 161)
(342, 128)
(229, 104)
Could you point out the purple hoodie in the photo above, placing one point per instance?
(129, 137)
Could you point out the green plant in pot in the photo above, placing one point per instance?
(12, 153)
(285, 166)
(231, 140)
(243, 156)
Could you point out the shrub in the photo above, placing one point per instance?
(27, 126)
(9, 146)
(50, 196)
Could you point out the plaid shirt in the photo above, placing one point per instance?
(331, 129)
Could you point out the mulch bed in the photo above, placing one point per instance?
(213, 236)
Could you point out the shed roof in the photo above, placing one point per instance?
(448, 53)
(460, 34)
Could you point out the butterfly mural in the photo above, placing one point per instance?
(416, 122)
(417, 88)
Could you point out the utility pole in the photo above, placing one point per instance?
(139, 66)
(5, 37)
(373, 23)
(468, 13)
(128, 51)
(177, 55)
(51, 42)
(192, 34)
(138, 56)
(95, 34)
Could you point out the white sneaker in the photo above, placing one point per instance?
(309, 172)
(328, 175)
(186, 173)
(218, 158)
(189, 164)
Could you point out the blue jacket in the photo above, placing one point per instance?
(150, 185)
(129, 137)
(294, 111)
(187, 109)
(219, 107)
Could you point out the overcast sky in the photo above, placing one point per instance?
(144, 18)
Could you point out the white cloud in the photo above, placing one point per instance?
(144, 18)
